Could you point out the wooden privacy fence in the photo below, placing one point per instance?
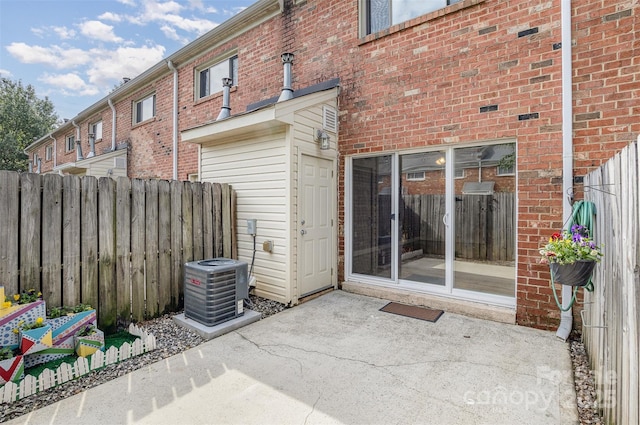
(611, 316)
(484, 225)
(118, 245)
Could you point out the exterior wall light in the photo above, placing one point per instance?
(322, 137)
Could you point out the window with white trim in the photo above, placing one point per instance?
(96, 129)
(458, 173)
(144, 109)
(69, 143)
(415, 176)
(381, 14)
(209, 78)
(48, 153)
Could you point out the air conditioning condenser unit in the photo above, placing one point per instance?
(215, 290)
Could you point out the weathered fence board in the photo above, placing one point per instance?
(138, 228)
(177, 271)
(226, 220)
(89, 241)
(151, 248)
(30, 230)
(187, 224)
(118, 245)
(107, 298)
(164, 247)
(217, 220)
(123, 250)
(71, 258)
(9, 211)
(611, 315)
(207, 221)
(51, 241)
(198, 230)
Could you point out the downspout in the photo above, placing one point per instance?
(113, 124)
(175, 119)
(566, 317)
(79, 156)
(55, 151)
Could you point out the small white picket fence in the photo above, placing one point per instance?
(66, 372)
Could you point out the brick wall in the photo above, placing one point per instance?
(478, 71)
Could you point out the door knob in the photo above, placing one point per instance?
(303, 232)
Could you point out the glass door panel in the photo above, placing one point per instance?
(422, 208)
(484, 214)
(372, 215)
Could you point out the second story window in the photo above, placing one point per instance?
(381, 14)
(143, 109)
(96, 129)
(69, 143)
(209, 78)
(48, 153)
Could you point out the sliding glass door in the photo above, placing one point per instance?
(372, 216)
(442, 220)
(423, 212)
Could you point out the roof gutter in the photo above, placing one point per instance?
(174, 134)
(566, 317)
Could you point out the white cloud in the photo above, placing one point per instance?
(4, 73)
(110, 16)
(99, 31)
(64, 33)
(69, 84)
(168, 13)
(54, 56)
(109, 67)
(38, 32)
(198, 26)
(172, 34)
(127, 2)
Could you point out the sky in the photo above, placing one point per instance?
(76, 51)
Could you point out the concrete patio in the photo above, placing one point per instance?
(338, 360)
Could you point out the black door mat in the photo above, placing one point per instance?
(422, 313)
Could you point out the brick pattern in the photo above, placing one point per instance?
(473, 72)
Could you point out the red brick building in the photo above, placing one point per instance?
(429, 101)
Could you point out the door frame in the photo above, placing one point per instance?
(333, 209)
(448, 290)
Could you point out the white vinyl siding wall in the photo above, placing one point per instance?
(258, 171)
(305, 122)
(105, 167)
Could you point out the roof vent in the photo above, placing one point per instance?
(225, 111)
(287, 91)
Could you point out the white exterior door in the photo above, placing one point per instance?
(315, 224)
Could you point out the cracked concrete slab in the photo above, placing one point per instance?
(338, 360)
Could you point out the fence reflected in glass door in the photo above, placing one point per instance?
(422, 208)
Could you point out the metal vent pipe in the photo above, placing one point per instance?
(287, 91)
(225, 111)
(92, 145)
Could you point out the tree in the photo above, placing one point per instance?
(23, 118)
